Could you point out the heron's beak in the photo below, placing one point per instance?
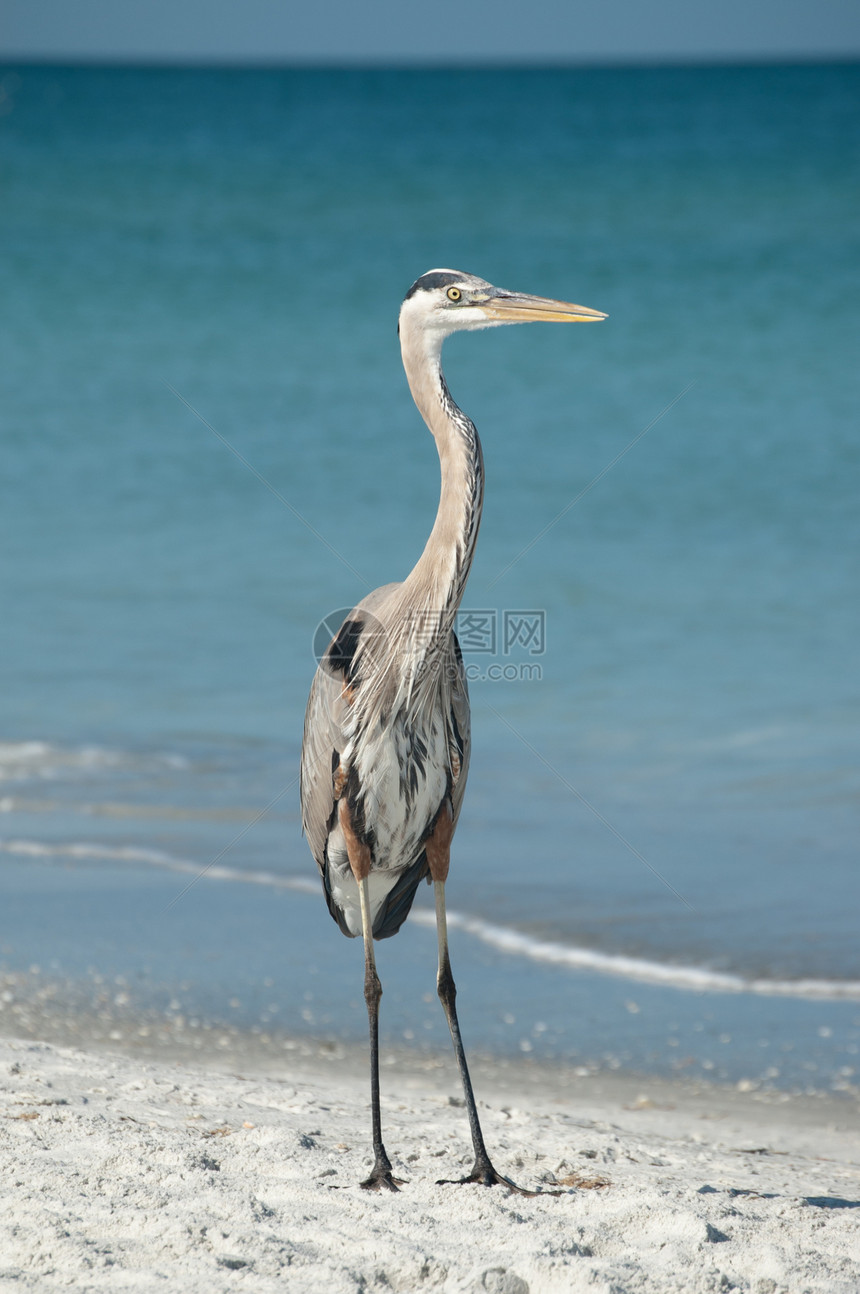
(512, 307)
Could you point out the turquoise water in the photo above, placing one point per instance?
(673, 778)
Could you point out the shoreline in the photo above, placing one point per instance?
(129, 1170)
(155, 1037)
(67, 1014)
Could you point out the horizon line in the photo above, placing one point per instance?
(312, 62)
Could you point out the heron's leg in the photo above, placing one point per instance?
(438, 856)
(359, 861)
(381, 1175)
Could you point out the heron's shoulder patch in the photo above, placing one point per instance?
(341, 651)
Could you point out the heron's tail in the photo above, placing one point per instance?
(396, 908)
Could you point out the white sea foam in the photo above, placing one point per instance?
(87, 852)
(514, 943)
(696, 978)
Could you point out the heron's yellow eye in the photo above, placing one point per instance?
(454, 294)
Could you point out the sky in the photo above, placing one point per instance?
(409, 31)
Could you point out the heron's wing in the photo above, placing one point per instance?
(324, 739)
(329, 725)
(327, 718)
(460, 730)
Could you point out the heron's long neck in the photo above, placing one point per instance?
(433, 589)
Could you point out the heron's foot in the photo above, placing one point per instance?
(484, 1174)
(378, 1181)
(382, 1177)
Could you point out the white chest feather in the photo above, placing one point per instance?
(403, 775)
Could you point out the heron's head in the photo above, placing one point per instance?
(445, 301)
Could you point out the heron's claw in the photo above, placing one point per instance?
(382, 1178)
(484, 1174)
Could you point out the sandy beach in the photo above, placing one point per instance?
(127, 1173)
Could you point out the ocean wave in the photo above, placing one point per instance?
(698, 979)
(92, 853)
(22, 761)
(505, 939)
(117, 809)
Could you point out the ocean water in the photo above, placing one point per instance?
(208, 447)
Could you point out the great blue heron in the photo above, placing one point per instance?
(386, 742)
